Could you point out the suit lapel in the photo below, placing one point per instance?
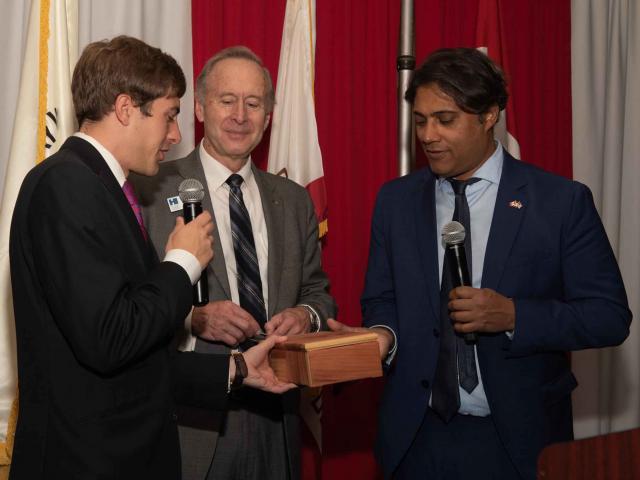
(273, 208)
(510, 209)
(92, 158)
(191, 167)
(427, 238)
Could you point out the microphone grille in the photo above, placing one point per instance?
(453, 233)
(191, 191)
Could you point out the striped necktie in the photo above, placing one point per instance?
(248, 271)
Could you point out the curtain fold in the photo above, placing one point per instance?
(165, 24)
(256, 24)
(605, 59)
(357, 116)
(13, 25)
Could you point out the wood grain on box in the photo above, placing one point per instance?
(316, 359)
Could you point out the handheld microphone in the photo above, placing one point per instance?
(453, 234)
(191, 193)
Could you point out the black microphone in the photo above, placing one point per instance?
(191, 193)
(453, 234)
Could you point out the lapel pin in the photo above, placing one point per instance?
(515, 204)
(174, 203)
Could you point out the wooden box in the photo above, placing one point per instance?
(316, 359)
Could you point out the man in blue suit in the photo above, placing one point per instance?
(545, 282)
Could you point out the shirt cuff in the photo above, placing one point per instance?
(394, 348)
(186, 340)
(187, 321)
(187, 261)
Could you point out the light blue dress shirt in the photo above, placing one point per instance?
(481, 197)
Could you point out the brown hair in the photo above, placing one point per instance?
(126, 65)
(245, 53)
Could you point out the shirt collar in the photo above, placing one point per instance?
(490, 170)
(108, 157)
(217, 174)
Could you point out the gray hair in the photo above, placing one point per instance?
(238, 51)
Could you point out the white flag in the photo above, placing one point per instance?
(44, 118)
(294, 149)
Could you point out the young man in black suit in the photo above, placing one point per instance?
(95, 309)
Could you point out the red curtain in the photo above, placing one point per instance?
(356, 114)
(356, 111)
(218, 24)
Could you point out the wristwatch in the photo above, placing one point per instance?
(313, 317)
(241, 370)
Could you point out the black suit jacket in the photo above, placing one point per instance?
(95, 312)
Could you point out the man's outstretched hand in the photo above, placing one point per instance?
(385, 338)
(260, 374)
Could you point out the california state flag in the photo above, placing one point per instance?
(294, 149)
(44, 118)
(295, 153)
(489, 39)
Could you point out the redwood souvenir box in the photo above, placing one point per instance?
(316, 359)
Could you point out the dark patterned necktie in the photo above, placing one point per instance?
(450, 373)
(130, 193)
(248, 271)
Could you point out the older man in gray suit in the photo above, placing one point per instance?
(265, 275)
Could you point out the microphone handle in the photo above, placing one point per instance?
(460, 276)
(191, 210)
(201, 288)
(201, 291)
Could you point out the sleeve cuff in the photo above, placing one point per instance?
(394, 348)
(186, 340)
(187, 261)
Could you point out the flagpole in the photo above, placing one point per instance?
(405, 63)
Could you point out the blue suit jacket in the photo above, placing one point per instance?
(548, 251)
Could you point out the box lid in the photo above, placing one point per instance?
(313, 341)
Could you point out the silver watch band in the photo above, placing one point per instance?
(313, 315)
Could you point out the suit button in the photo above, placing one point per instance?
(425, 384)
(436, 332)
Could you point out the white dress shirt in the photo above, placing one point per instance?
(216, 175)
(481, 197)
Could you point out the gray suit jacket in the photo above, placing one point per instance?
(294, 273)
